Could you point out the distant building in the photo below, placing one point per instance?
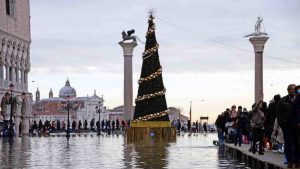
(118, 113)
(175, 113)
(81, 108)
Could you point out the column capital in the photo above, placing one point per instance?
(258, 42)
(128, 48)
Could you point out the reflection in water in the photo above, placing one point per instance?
(14, 152)
(150, 155)
(88, 151)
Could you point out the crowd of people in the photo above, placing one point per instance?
(196, 127)
(40, 128)
(275, 126)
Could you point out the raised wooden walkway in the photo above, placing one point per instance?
(270, 160)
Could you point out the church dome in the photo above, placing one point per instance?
(67, 90)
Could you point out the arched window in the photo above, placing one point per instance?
(10, 7)
(4, 73)
(7, 7)
(20, 76)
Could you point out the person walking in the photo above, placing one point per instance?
(257, 125)
(74, 125)
(117, 125)
(113, 125)
(58, 125)
(296, 113)
(85, 124)
(286, 120)
(271, 116)
(79, 125)
(219, 123)
(205, 127)
(239, 127)
(102, 125)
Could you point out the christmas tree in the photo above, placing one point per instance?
(151, 102)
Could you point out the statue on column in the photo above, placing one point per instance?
(257, 31)
(129, 36)
(258, 24)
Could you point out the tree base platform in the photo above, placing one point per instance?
(150, 131)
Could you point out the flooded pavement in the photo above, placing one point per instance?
(91, 151)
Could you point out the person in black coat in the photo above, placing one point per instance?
(285, 119)
(118, 125)
(102, 124)
(113, 125)
(58, 125)
(239, 127)
(220, 123)
(73, 125)
(85, 124)
(271, 116)
(296, 113)
(79, 125)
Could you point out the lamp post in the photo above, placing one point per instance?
(11, 129)
(98, 110)
(69, 105)
(66, 105)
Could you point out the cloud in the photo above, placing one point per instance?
(80, 39)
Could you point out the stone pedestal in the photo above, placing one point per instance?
(6, 114)
(128, 98)
(258, 43)
(150, 131)
(17, 122)
(25, 124)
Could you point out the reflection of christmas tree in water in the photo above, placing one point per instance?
(151, 102)
(153, 155)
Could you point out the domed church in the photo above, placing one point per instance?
(80, 108)
(67, 90)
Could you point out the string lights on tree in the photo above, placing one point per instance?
(151, 102)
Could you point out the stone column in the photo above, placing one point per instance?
(25, 124)
(1, 71)
(26, 80)
(13, 74)
(22, 76)
(1, 74)
(6, 114)
(17, 122)
(17, 117)
(7, 73)
(258, 43)
(17, 75)
(128, 99)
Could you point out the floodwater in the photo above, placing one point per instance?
(110, 151)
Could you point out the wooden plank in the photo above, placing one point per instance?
(146, 134)
(272, 158)
(151, 124)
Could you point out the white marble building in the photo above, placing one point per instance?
(15, 42)
(81, 108)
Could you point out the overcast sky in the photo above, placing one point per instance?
(202, 49)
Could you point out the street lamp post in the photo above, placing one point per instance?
(98, 110)
(66, 105)
(11, 129)
(68, 125)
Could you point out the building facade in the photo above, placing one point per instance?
(175, 114)
(15, 42)
(80, 108)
